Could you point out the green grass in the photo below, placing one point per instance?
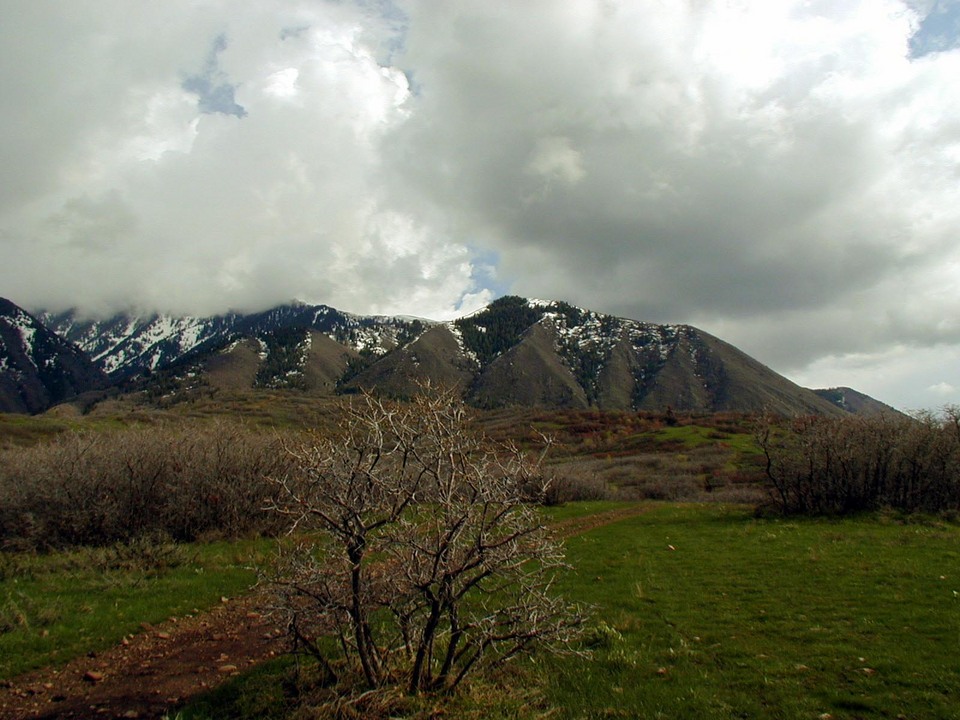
(742, 618)
(857, 618)
(266, 692)
(59, 606)
(28, 429)
(708, 612)
(568, 511)
(690, 435)
(693, 436)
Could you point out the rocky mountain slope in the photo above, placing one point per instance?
(514, 352)
(126, 345)
(37, 367)
(856, 402)
(528, 352)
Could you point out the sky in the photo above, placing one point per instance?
(784, 174)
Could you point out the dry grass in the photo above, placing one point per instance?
(95, 488)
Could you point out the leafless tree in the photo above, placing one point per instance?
(421, 554)
(822, 465)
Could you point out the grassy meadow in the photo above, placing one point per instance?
(708, 612)
(705, 611)
(698, 611)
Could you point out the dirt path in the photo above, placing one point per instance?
(585, 523)
(150, 672)
(154, 671)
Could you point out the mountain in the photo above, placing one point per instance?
(37, 367)
(856, 402)
(513, 352)
(554, 354)
(126, 345)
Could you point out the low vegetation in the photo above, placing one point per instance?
(708, 611)
(839, 466)
(65, 604)
(641, 455)
(419, 556)
(99, 488)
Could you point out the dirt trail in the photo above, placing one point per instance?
(152, 672)
(579, 525)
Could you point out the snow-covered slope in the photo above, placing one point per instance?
(37, 367)
(127, 345)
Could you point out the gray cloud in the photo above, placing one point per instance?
(793, 192)
(783, 174)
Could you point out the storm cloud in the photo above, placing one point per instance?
(782, 174)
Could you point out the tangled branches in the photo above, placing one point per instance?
(425, 559)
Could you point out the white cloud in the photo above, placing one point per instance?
(782, 173)
(163, 196)
(943, 388)
(283, 83)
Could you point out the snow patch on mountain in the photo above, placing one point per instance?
(461, 345)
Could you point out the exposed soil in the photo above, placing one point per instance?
(154, 671)
(151, 672)
(579, 525)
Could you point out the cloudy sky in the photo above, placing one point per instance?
(784, 174)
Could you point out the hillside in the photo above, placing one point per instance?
(569, 357)
(38, 368)
(856, 402)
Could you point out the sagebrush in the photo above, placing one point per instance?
(98, 488)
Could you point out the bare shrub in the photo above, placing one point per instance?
(823, 465)
(97, 488)
(689, 476)
(576, 481)
(425, 560)
(570, 488)
(673, 486)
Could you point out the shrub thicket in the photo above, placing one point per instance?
(91, 488)
(819, 465)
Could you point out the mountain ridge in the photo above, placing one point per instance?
(856, 402)
(515, 351)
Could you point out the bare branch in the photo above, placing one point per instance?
(419, 516)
